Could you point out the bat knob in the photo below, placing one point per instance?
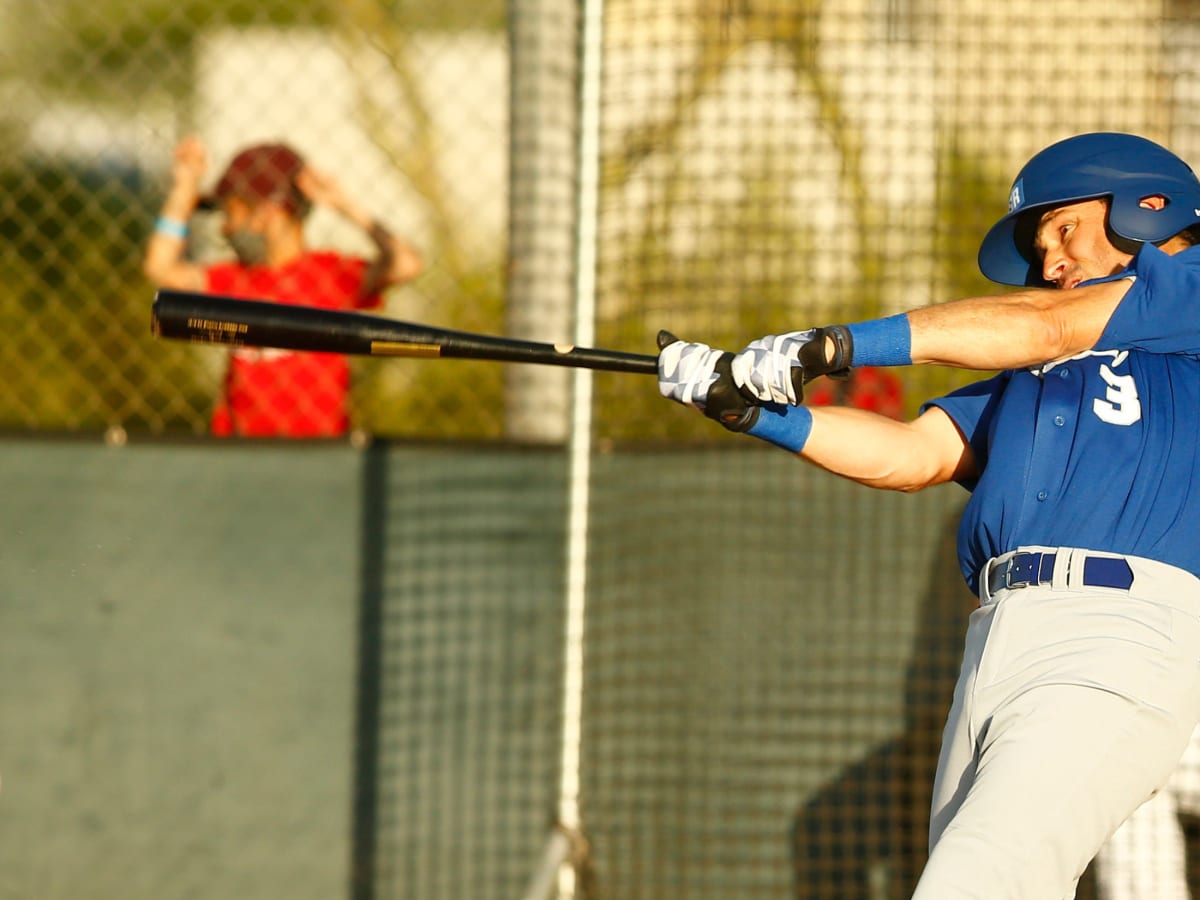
(666, 339)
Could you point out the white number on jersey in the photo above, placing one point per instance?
(1120, 405)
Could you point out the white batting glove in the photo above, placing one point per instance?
(788, 344)
(767, 367)
(686, 372)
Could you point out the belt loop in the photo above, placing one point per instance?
(1045, 571)
(985, 577)
(1067, 566)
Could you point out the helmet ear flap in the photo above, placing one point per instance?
(1130, 244)
(1124, 244)
(1130, 219)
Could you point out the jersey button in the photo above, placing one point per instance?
(1063, 373)
(1060, 421)
(1042, 495)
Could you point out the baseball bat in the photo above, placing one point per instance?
(216, 319)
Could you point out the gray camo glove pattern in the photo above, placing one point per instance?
(769, 368)
(698, 376)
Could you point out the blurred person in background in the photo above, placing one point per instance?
(264, 195)
(869, 387)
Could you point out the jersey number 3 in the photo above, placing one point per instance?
(1120, 405)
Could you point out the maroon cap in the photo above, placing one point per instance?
(263, 172)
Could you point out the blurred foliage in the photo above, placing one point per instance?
(758, 299)
(750, 268)
(91, 371)
(115, 44)
(454, 398)
(971, 197)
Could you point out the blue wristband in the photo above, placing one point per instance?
(882, 342)
(171, 227)
(784, 426)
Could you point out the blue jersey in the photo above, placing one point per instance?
(1100, 451)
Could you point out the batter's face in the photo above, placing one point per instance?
(1072, 243)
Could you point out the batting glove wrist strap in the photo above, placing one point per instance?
(830, 351)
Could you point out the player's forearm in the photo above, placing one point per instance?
(1015, 330)
(877, 451)
(396, 261)
(181, 200)
(165, 266)
(868, 448)
(404, 261)
(1007, 331)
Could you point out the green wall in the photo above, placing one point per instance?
(177, 645)
(185, 629)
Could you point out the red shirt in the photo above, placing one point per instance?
(284, 393)
(869, 388)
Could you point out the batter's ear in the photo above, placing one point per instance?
(1154, 201)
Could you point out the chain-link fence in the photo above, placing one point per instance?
(759, 165)
(406, 107)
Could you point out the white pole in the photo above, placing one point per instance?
(579, 468)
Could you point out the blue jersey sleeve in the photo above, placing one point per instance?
(971, 409)
(1161, 311)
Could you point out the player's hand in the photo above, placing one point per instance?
(769, 376)
(698, 376)
(189, 163)
(321, 188)
(775, 368)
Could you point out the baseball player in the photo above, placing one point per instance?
(1079, 684)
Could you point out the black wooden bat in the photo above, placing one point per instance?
(215, 319)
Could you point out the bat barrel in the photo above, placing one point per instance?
(214, 319)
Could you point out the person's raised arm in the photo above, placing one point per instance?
(164, 263)
(396, 260)
(1012, 331)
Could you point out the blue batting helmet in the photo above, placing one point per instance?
(1124, 168)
